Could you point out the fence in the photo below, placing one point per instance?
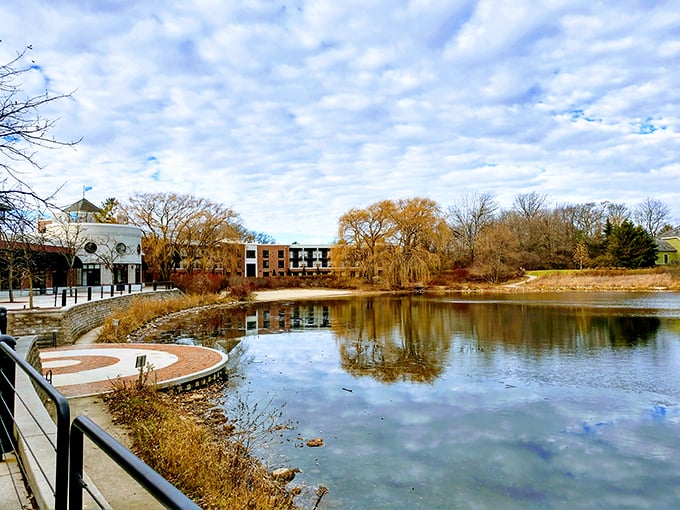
(58, 481)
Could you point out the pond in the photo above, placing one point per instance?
(479, 402)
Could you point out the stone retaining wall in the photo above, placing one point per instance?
(70, 322)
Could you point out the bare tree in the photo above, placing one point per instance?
(469, 217)
(22, 131)
(617, 213)
(180, 227)
(652, 214)
(20, 250)
(362, 238)
(70, 236)
(529, 205)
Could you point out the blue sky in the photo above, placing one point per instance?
(294, 113)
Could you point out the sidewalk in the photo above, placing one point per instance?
(14, 495)
(73, 295)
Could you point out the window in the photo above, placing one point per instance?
(250, 254)
(265, 254)
(121, 248)
(280, 264)
(281, 255)
(265, 264)
(90, 247)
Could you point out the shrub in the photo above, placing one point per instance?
(200, 282)
(196, 456)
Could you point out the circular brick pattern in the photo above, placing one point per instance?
(81, 370)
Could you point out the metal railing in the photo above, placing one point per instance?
(67, 483)
(86, 293)
(164, 492)
(10, 398)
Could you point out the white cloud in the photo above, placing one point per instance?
(295, 113)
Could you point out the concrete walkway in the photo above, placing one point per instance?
(22, 299)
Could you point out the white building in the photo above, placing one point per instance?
(105, 253)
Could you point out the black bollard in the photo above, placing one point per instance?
(76, 296)
(63, 297)
(3, 320)
(89, 293)
(112, 290)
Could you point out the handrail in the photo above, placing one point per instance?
(63, 412)
(164, 492)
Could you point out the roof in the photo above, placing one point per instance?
(82, 205)
(664, 245)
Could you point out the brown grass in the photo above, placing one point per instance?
(641, 280)
(142, 311)
(197, 457)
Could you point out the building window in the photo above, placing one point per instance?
(265, 264)
(280, 264)
(265, 254)
(121, 248)
(250, 254)
(90, 247)
(281, 255)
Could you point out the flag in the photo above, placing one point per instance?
(86, 188)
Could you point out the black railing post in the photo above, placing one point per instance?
(63, 297)
(101, 288)
(7, 378)
(3, 320)
(112, 288)
(75, 480)
(76, 296)
(63, 420)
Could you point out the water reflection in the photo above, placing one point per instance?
(478, 403)
(411, 339)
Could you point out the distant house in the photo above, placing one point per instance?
(668, 245)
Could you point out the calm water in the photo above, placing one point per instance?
(511, 402)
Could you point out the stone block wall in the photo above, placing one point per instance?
(70, 322)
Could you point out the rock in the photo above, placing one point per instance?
(317, 441)
(285, 474)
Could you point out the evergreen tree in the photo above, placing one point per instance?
(630, 245)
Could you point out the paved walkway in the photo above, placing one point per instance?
(76, 295)
(90, 369)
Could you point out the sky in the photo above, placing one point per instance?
(293, 113)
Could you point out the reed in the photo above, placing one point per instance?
(632, 280)
(200, 459)
(125, 320)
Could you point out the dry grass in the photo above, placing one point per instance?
(642, 280)
(195, 455)
(142, 311)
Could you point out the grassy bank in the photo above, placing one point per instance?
(631, 280)
(191, 445)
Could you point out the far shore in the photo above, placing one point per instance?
(298, 293)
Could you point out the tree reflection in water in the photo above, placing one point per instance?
(409, 339)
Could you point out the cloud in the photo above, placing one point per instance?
(295, 113)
